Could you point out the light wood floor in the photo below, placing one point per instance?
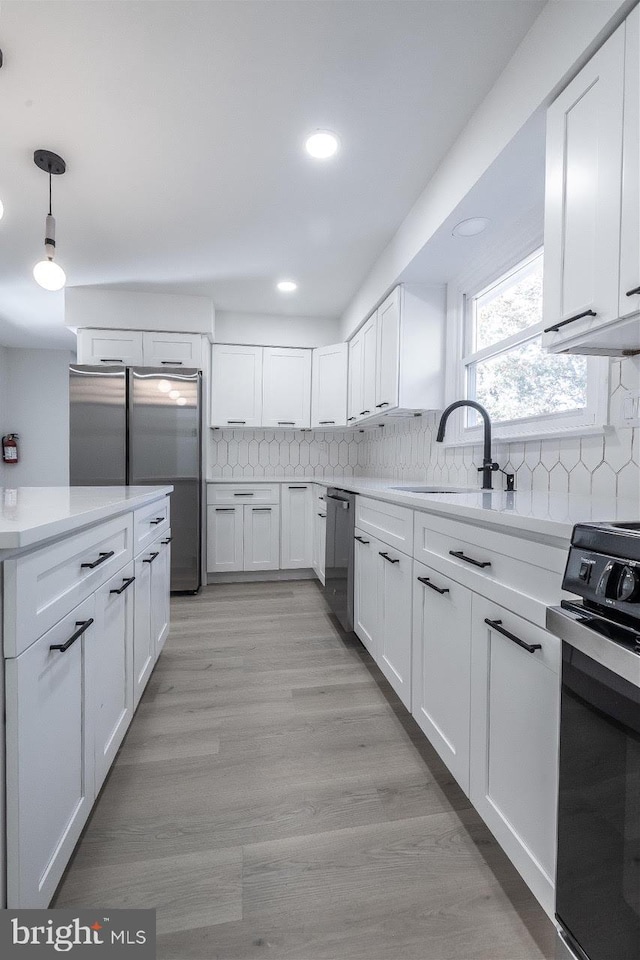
(273, 799)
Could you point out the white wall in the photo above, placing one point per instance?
(560, 41)
(34, 385)
(276, 331)
(130, 310)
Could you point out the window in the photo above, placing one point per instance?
(525, 390)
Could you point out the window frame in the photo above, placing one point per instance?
(590, 419)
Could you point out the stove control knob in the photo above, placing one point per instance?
(629, 584)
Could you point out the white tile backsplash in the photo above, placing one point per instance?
(287, 453)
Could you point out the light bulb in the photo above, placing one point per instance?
(164, 386)
(49, 275)
(322, 144)
(174, 394)
(181, 401)
(287, 286)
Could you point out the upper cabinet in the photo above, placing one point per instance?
(236, 386)
(139, 348)
(286, 387)
(396, 360)
(329, 386)
(592, 247)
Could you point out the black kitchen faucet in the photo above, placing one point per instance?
(488, 465)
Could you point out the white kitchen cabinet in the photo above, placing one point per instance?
(172, 350)
(584, 259)
(362, 372)
(104, 347)
(388, 352)
(49, 756)
(296, 541)
(225, 543)
(143, 647)
(441, 669)
(515, 703)
(329, 386)
(394, 619)
(160, 593)
(286, 388)
(356, 358)
(236, 386)
(261, 538)
(365, 589)
(109, 657)
(320, 542)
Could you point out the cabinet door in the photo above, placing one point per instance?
(322, 544)
(394, 641)
(515, 705)
(356, 371)
(143, 648)
(365, 601)
(236, 386)
(630, 232)
(388, 353)
(369, 346)
(110, 670)
(224, 539)
(441, 671)
(286, 395)
(329, 386)
(582, 196)
(261, 538)
(160, 588)
(296, 526)
(106, 347)
(172, 350)
(49, 758)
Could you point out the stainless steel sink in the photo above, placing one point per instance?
(436, 489)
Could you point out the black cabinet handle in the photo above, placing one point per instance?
(297, 488)
(351, 418)
(378, 405)
(324, 423)
(83, 625)
(261, 509)
(361, 540)
(155, 522)
(428, 583)
(125, 583)
(563, 323)
(111, 360)
(286, 423)
(225, 509)
(243, 494)
(323, 515)
(151, 558)
(387, 557)
(362, 413)
(169, 539)
(96, 563)
(476, 563)
(631, 293)
(238, 422)
(171, 363)
(497, 625)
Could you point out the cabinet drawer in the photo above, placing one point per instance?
(532, 568)
(149, 522)
(389, 523)
(172, 350)
(319, 495)
(238, 493)
(43, 586)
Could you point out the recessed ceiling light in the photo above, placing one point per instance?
(471, 227)
(322, 144)
(287, 286)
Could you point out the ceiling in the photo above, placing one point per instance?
(182, 124)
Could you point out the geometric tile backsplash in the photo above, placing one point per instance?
(605, 465)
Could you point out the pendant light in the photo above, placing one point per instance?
(47, 273)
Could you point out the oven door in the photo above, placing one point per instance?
(598, 866)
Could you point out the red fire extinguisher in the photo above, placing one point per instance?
(10, 448)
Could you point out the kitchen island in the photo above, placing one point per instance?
(85, 613)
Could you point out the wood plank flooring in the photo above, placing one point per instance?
(273, 799)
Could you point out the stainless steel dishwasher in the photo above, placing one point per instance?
(341, 520)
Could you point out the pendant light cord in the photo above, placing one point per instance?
(49, 189)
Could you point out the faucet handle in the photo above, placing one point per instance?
(492, 466)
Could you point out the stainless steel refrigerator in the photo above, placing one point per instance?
(142, 425)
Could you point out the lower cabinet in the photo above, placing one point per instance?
(243, 538)
(160, 593)
(49, 756)
(365, 600)
(261, 538)
(152, 569)
(319, 541)
(441, 671)
(515, 704)
(296, 529)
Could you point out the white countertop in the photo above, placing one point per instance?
(534, 512)
(31, 515)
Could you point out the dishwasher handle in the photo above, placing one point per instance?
(345, 503)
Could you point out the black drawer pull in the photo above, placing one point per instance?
(96, 563)
(361, 540)
(239, 422)
(171, 363)
(324, 423)
(82, 625)
(169, 539)
(632, 293)
(497, 625)
(350, 419)
(428, 583)
(476, 563)
(261, 509)
(243, 494)
(225, 509)
(378, 405)
(111, 360)
(125, 583)
(362, 412)
(297, 488)
(563, 323)
(387, 557)
(286, 423)
(151, 557)
(155, 522)
(323, 515)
